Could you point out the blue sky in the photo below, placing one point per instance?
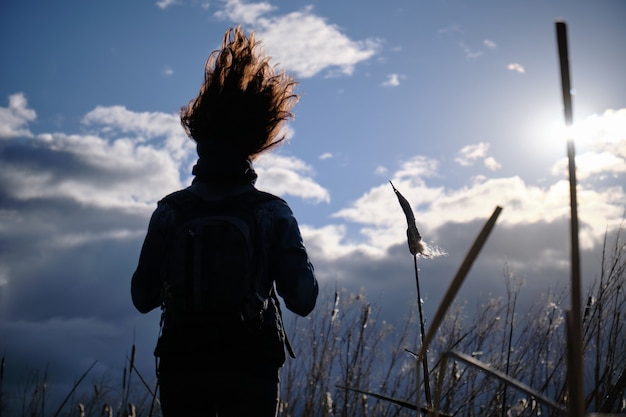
(457, 103)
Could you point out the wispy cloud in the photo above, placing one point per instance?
(491, 163)
(302, 41)
(325, 155)
(393, 80)
(452, 29)
(164, 4)
(514, 66)
(490, 44)
(469, 154)
(469, 52)
(381, 171)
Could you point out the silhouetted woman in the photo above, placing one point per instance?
(214, 366)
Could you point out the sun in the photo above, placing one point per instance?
(599, 142)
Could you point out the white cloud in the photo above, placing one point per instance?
(589, 164)
(383, 222)
(469, 154)
(15, 118)
(330, 242)
(491, 163)
(393, 80)
(490, 44)
(301, 41)
(381, 171)
(603, 132)
(110, 174)
(145, 126)
(164, 4)
(603, 140)
(600, 142)
(239, 12)
(514, 66)
(284, 175)
(325, 155)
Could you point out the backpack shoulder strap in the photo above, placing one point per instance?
(256, 197)
(181, 199)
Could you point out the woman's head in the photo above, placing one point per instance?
(243, 100)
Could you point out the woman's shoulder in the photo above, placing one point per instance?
(269, 201)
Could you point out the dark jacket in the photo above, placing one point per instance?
(287, 260)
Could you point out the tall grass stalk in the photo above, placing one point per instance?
(456, 283)
(2, 400)
(575, 356)
(414, 240)
(131, 366)
(510, 322)
(76, 384)
(503, 377)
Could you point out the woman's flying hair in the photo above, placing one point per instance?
(243, 100)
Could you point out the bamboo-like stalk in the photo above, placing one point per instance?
(575, 357)
(456, 283)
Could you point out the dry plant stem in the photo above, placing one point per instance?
(509, 342)
(74, 388)
(2, 366)
(615, 392)
(458, 279)
(130, 372)
(429, 401)
(401, 403)
(493, 372)
(575, 365)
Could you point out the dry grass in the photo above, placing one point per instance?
(347, 344)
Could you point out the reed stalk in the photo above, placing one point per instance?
(414, 240)
(458, 279)
(74, 388)
(575, 356)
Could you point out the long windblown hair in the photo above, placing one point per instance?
(243, 101)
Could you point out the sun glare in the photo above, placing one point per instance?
(599, 140)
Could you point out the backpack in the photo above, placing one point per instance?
(216, 262)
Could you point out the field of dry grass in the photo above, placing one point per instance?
(493, 361)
